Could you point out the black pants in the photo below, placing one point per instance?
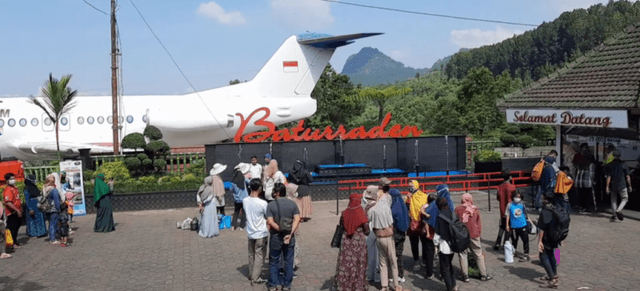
(447, 271)
(501, 232)
(586, 198)
(13, 225)
(399, 237)
(220, 209)
(428, 251)
(523, 235)
(239, 211)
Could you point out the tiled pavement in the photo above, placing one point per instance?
(147, 252)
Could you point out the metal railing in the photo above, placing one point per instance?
(41, 172)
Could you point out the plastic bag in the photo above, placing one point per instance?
(508, 252)
(186, 224)
(8, 239)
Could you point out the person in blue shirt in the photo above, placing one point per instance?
(517, 219)
(239, 188)
(51, 192)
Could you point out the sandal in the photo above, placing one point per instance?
(464, 278)
(5, 256)
(486, 278)
(551, 284)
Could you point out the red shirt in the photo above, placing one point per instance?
(505, 191)
(474, 225)
(11, 194)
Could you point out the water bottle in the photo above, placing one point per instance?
(508, 252)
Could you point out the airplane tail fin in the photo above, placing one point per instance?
(296, 67)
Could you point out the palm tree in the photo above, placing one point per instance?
(380, 97)
(58, 100)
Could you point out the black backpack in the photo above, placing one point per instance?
(460, 238)
(559, 229)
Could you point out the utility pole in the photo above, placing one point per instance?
(114, 79)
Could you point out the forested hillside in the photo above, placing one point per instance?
(371, 67)
(537, 53)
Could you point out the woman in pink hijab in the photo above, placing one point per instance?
(470, 216)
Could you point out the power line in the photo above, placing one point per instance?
(96, 8)
(431, 14)
(183, 75)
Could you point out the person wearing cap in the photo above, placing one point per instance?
(218, 186)
(617, 175)
(36, 226)
(239, 188)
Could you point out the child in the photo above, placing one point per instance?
(63, 224)
(516, 214)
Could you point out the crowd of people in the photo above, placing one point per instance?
(52, 205)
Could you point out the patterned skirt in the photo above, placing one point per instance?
(304, 204)
(351, 269)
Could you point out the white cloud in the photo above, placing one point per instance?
(216, 12)
(557, 7)
(473, 38)
(302, 14)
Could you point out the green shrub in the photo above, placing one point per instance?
(175, 179)
(487, 156)
(116, 170)
(197, 168)
(148, 180)
(525, 141)
(508, 140)
(153, 133)
(134, 141)
(158, 147)
(87, 175)
(142, 157)
(160, 165)
(147, 162)
(189, 178)
(132, 163)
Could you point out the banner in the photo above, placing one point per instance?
(75, 185)
(584, 118)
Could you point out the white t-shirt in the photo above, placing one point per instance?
(268, 183)
(256, 171)
(256, 212)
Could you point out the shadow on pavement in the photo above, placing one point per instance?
(526, 273)
(10, 284)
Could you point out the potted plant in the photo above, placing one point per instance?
(487, 162)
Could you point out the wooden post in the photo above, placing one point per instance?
(114, 80)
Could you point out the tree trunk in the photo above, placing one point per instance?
(58, 142)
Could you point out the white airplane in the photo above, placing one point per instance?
(283, 86)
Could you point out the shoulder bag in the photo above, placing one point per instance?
(285, 223)
(336, 241)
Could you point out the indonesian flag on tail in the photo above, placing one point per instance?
(290, 66)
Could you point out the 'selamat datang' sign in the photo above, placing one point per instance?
(585, 118)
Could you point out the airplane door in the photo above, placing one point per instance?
(65, 122)
(47, 124)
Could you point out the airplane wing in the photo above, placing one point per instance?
(49, 147)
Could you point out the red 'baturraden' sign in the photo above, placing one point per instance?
(299, 133)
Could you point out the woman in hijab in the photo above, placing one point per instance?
(301, 177)
(36, 226)
(239, 188)
(369, 199)
(401, 223)
(470, 216)
(271, 177)
(102, 200)
(218, 186)
(433, 210)
(53, 195)
(351, 269)
(442, 239)
(381, 220)
(416, 227)
(209, 226)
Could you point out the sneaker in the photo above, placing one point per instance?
(259, 281)
(619, 214)
(496, 247)
(431, 277)
(401, 279)
(464, 278)
(295, 275)
(416, 266)
(613, 218)
(524, 258)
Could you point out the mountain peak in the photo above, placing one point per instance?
(372, 67)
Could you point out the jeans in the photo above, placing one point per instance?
(399, 238)
(548, 262)
(523, 235)
(238, 211)
(53, 225)
(447, 271)
(278, 248)
(257, 249)
(614, 199)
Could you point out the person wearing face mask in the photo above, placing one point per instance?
(517, 219)
(13, 207)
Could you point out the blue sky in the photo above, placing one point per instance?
(217, 41)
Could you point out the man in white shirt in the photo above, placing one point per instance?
(255, 169)
(257, 232)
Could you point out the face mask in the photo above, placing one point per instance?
(516, 200)
(12, 181)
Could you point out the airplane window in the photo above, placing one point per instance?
(110, 119)
(120, 119)
(1, 122)
(23, 122)
(12, 122)
(34, 122)
(100, 119)
(80, 120)
(64, 121)
(47, 121)
(144, 118)
(130, 119)
(90, 119)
